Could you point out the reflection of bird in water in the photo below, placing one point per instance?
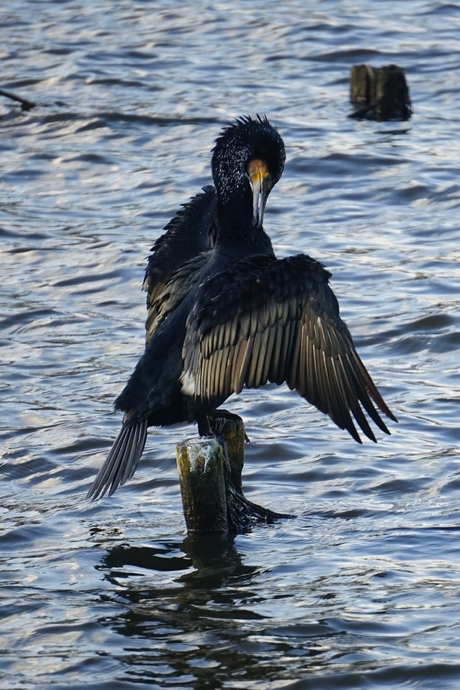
(233, 315)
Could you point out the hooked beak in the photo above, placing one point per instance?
(260, 180)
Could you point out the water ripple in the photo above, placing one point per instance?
(361, 588)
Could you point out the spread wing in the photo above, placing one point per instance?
(190, 232)
(180, 284)
(275, 320)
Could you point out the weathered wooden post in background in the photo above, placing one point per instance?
(380, 93)
(210, 479)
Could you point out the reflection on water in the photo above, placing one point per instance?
(188, 622)
(361, 589)
(196, 613)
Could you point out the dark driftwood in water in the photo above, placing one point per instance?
(25, 104)
(210, 480)
(380, 93)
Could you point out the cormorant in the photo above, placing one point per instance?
(225, 313)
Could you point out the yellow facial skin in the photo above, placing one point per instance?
(260, 179)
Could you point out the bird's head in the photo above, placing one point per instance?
(247, 162)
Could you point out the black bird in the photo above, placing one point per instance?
(225, 313)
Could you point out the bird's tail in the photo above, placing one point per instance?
(121, 462)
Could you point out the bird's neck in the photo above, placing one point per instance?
(242, 239)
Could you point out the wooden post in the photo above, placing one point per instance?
(201, 475)
(210, 472)
(381, 93)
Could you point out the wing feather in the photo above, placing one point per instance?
(286, 345)
(278, 320)
(244, 356)
(276, 374)
(267, 350)
(237, 379)
(220, 387)
(252, 378)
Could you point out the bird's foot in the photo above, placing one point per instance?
(217, 419)
(204, 426)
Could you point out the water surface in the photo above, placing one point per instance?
(361, 589)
